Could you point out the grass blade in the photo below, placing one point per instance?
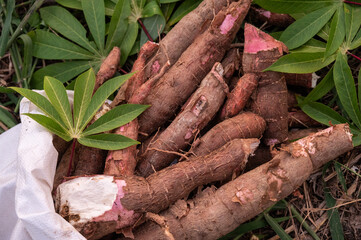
(62, 21)
(118, 24)
(337, 32)
(83, 91)
(49, 46)
(116, 117)
(305, 28)
(340, 176)
(50, 124)
(101, 95)
(346, 89)
(10, 6)
(6, 118)
(301, 63)
(107, 141)
(57, 95)
(277, 228)
(27, 67)
(94, 12)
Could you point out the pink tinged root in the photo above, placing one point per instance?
(118, 213)
(256, 41)
(155, 67)
(227, 24)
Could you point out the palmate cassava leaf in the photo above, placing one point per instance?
(94, 13)
(57, 95)
(118, 24)
(321, 89)
(128, 41)
(352, 21)
(63, 71)
(305, 28)
(101, 95)
(62, 21)
(83, 91)
(51, 125)
(107, 141)
(49, 46)
(294, 6)
(118, 116)
(346, 89)
(76, 4)
(41, 102)
(154, 21)
(337, 32)
(357, 41)
(359, 88)
(310, 46)
(301, 62)
(183, 9)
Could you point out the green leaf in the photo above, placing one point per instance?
(57, 95)
(276, 227)
(94, 13)
(49, 46)
(183, 9)
(128, 41)
(340, 176)
(76, 4)
(333, 216)
(352, 21)
(107, 141)
(7, 118)
(6, 26)
(50, 124)
(101, 95)
(83, 91)
(62, 71)
(62, 21)
(251, 226)
(346, 89)
(154, 25)
(118, 24)
(27, 67)
(151, 8)
(41, 102)
(116, 117)
(305, 28)
(337, 32)
(167, 10)
(359, 88)
(295, 6)
(357, 41)
(168, 1)
(324, 33)
(6, 90)
(312, 45)
(301, 63)
(321, 89)
(322, 113)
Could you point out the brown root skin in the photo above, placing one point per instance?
(231, 63)
(261, 16)
(60, 145)
(178, 83)
(261, 155)
(130, 197)
(296, 134)
(270, 98)
(195, 115)
(291, 100)
(108, 67)
(90, 161)
(214, 213)
(307, 80)
(237, 99)
(183, 34)
(300, 119)
(244, 125)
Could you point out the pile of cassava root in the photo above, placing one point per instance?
(212, 106)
